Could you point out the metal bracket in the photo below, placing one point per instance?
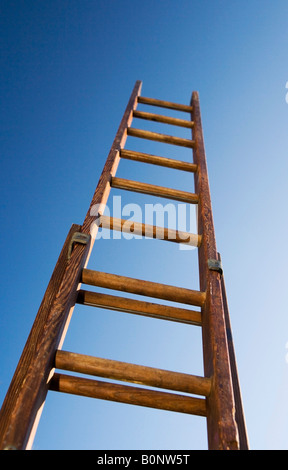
(77, 237)
(215, 265)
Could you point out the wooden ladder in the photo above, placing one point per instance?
(218, 393)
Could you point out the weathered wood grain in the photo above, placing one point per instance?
(163, 119)
(221, 424)
(146, 288)
(149, 231)
(127, 394)
(26, 394)
(138, 307)
(156, 136)
(164, 104)
(154, 190)
(157, 160)
(134, 373)
(239, 411)
(103, 188)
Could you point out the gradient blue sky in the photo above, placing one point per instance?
(67, 70)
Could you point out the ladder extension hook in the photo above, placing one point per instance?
(77, 237)
(215, 265)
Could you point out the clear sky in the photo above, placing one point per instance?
(67, 70)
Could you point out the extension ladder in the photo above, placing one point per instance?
(218, 393)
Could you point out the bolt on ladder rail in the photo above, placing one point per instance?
(35, 374)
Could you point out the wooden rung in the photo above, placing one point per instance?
(153, 190)
(146, 288)
(165, 104)
(149, 231)
(167, 139)
(157, 160)
(127, 394)
(165, 119)
(138, 307)
(133, 373)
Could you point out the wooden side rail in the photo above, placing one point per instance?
(133, 373)
(157, 160)
(221, 423)
(127, 394)
(138, 307)
(140, 287)
(102, 190)
(25, 398)
(154, 190)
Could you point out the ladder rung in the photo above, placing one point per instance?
(138, 307)
(167, 139)
(165, 104)
(156, 160)
(127, 394)
(165, 119)
(140, 287)
(154, 190)
(150, 231)
(133, 373)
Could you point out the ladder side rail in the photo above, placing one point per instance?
(221, 424)
(102, 191)
(25, 397)
(239, 412)
(20, 427)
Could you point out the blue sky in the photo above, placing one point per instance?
(67, 70)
